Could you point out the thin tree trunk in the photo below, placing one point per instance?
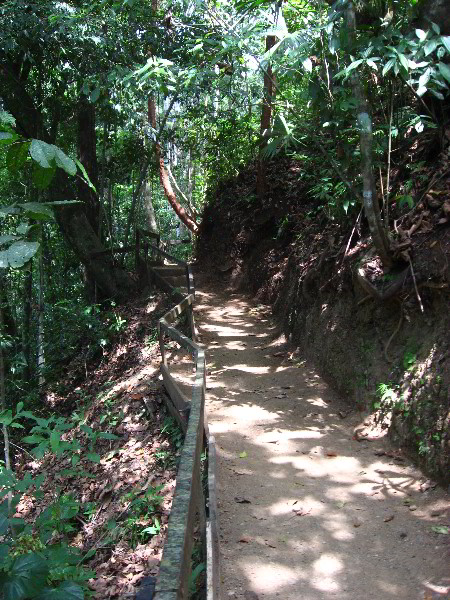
(3, 401)
(371, 206)
(266, 116)
(40, 335)
(163, 175)
(149, 208)
(27, 311)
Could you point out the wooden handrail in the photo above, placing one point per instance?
(188, 501)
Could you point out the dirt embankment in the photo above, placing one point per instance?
(387, 354)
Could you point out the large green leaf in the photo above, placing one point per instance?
(20, 253)
(36, 210)
(43, 177)
(4, 523)
(4, 239)
(4, 551)
(445, 39)
(66, 591)
(42, 153)
(64, 162)
(444, 70)
(26, 578)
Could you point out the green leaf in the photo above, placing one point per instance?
(4, 239)
(85, 175)
(17, 426)
(27, 577)
(42, 177)
(431, 46)
(444, 70)
(19, 407)
(372, 64)
(424, 78)
(354, 65)
(4, 551)
(21, 252)
(4, 524)
(7, 138)
(55, 438)
(42, 153)
(445, 39)
(36, 210)
(3, 259)
(403, 61)
(33, 439)
(107, 436)
(421, 34)
(95, 95)
(388, 66)
(17, 156)
(64, 162)
(243, 454)
(442, 529)
(92, 456)
(68, 590)
(6, 417)
(435, 27)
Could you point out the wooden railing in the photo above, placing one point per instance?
(188, 502)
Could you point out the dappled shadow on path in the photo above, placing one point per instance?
(306, 511)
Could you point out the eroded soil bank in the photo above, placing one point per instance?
(308, 509)
(379, 354)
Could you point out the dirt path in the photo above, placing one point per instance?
(307, 511)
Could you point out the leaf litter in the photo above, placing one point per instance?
(123, 396)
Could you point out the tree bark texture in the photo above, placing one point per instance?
(364, 120)
(87, 151)
(266, 117)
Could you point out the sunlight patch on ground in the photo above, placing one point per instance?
(269, 574)
(248, 369)
(338, 526)
(317, 402)
(325, 568)
(225, 331)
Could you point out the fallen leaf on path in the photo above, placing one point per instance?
(331, 454)
(243, 454)
(267, 543)
(388, 518)
(241, 500)
(278, 353)
(245, 539)
(301, 512)
(357, 522)
(442, 529)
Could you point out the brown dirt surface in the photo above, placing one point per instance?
(314, 501)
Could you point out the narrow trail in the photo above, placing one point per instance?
(306, 511)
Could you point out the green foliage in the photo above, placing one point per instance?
(142, 521)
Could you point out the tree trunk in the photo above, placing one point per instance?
(87, 150)
(370, 199)
(164, 177)
(27, 310)
(266, 116)
(74, 222)
(148, 207)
